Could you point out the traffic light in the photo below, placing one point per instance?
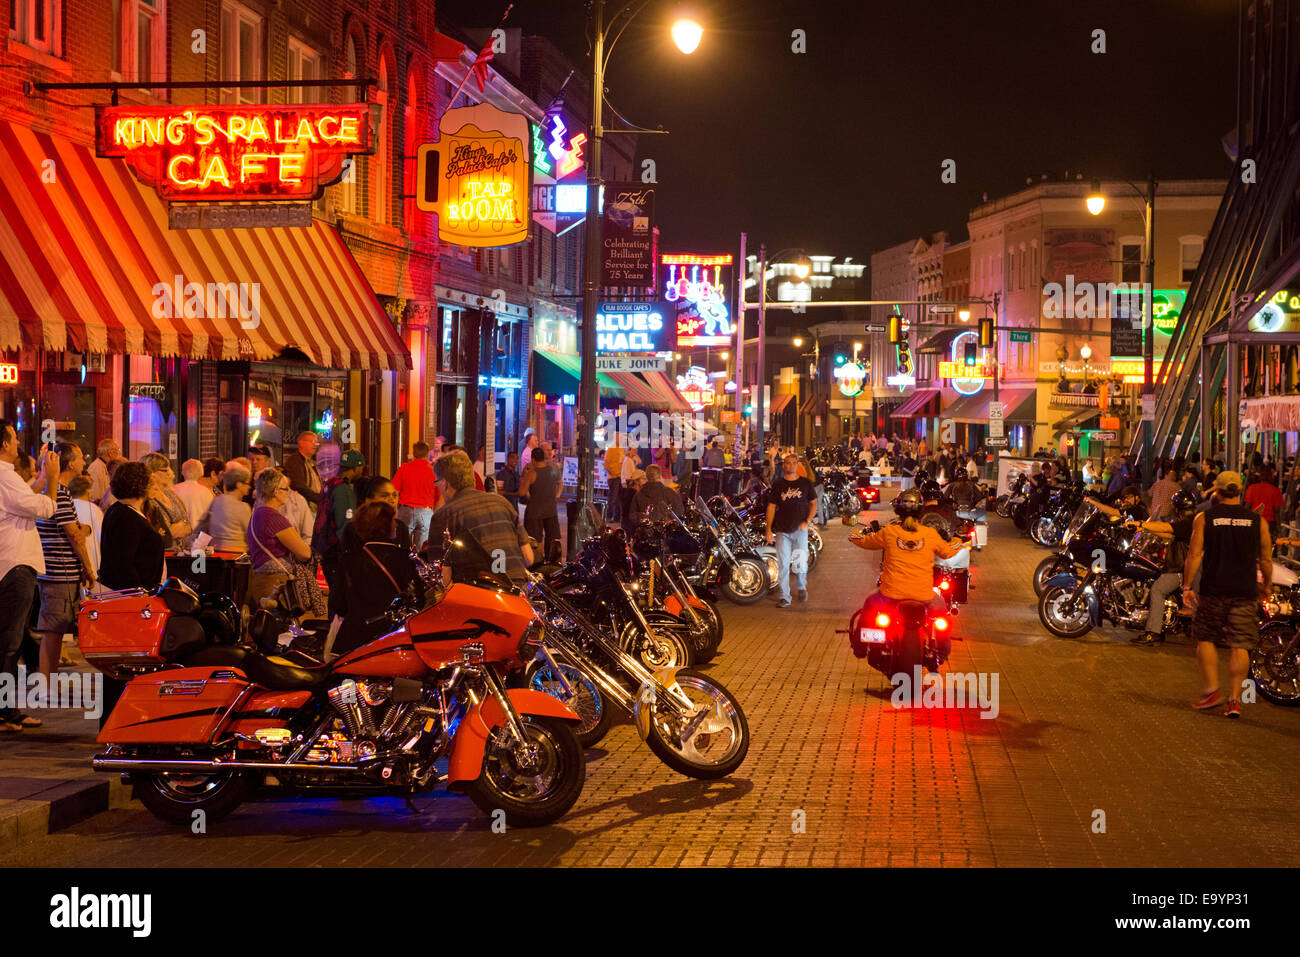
(839, 360)
(986, 333)
(895, 329)
(972, 354)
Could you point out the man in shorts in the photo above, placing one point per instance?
(1229, 542)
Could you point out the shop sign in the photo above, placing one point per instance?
(959, 371)
(627, 235)
(851, 377)
(696, 388)
(8, 373)
(235, 153)
(635, 327)
(695, 286)
(630, 364)
(1279, 314)
(478, 177)
(148, 390)
(1097, 436)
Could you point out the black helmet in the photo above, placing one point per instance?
(930, 491)
(922, 475)
(1183, 502)
(908, 503)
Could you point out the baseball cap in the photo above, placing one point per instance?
(1227, 479)
(260, 450)
(352, 459)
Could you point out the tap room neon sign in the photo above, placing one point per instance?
(235, 153)
(695, 285)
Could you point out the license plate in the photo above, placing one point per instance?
(873, 635)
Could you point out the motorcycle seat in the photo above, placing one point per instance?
(272, 673)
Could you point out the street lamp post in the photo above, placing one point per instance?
(687, 35)
(1096, 202)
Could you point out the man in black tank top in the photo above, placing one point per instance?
(1229, 542)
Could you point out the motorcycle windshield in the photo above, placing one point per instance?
(1081, 516)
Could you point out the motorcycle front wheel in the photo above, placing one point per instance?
(1052, 565)
(1060, 620)
(716, 746)
(1044, 532)
(586, 701)
(1000, 505)
(537, 794)
(664, 647)
(704, 641)
(1274, 667)
(748, 581)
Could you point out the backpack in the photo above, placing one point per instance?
(325, 533)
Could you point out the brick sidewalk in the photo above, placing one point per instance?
(1084, 726)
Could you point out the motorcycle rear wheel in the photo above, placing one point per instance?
(175, 797)
(1056, 620)
(555, 782)
(718, 747)
(907, 659)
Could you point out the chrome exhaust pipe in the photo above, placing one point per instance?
(163, 766)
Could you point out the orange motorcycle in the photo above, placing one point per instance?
(201, 725)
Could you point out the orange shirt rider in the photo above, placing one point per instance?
(907, 567)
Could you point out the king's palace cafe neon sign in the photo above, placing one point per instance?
(235, 153)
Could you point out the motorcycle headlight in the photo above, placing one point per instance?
(531, 640)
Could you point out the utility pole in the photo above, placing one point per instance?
(587, 395)
(762, 332)
(1148, 335)
(740, 356)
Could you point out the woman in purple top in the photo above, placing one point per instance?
(273, 543)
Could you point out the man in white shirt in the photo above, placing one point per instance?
(21, 558)
(195, 492)
(107, 451)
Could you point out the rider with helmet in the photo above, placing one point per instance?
(1179, 531)
(910, 549)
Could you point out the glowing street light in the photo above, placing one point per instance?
(1086, 352)
(687, 35)
(963, 315)
(798, 343)
(1096, 201)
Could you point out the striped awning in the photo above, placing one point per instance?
(779, 402)
(635, 389)
(88, 264)
(669, 398)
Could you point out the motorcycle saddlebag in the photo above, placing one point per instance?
(124, 631)
(176, 706)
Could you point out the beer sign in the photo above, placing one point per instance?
(482, 190)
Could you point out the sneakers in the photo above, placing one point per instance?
(783, 603)
(803, 594)
(1233, 710)
(1208, 701)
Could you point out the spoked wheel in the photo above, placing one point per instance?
(664, 647)
(1045, 532)
(712, 741)
(1059, 617)
(583, 699)
(175, 797)
(704, 638)
(1000, 505)
(535, 791)
(1275, 664)
(748, 581)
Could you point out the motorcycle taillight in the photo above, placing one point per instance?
(941, 623)
(882, 620)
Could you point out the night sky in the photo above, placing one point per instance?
(838, 150)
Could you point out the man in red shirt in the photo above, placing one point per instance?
(1266, 498)
(417, 494)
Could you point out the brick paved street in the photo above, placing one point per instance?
(1085, 726)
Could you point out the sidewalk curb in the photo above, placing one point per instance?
(62, 805)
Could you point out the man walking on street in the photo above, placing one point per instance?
(791, 504)
(21, 558)
(1230, 541)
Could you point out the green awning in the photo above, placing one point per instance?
(558, 373)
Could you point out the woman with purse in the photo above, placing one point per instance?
(370, 576)
(278, 553)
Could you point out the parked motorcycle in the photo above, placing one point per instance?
(729, 562)
(200, 726)
(1275, 660)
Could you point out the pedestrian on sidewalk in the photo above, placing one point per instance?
(1229, 542)
(67, 563)
(21, 558)
(417, 493)
(541, 489)
(791, 505)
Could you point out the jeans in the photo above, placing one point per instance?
(822, 515)
(1161, 588)
(417, 522)
(792, 549)
(17, 589)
